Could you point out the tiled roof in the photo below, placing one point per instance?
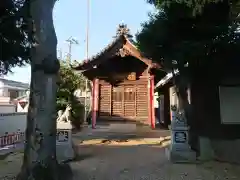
(122, 36)
(106, 49)
(122, 33)
(11, 83)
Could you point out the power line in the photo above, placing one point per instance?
(71, 42)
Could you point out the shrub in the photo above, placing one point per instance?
(69, 82)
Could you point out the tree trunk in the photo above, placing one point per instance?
(40, 148)
(182, 85)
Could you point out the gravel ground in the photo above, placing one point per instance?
(123, 156)
(138, 155)
(10, 166)
(142, 161)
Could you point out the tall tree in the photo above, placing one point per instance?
(40, 161)
(27, 35)
(197, 6)
(14, 42)
(182, 41)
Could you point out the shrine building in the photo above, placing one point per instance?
(122, 82)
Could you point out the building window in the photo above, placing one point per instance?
(21, 93)
(12, 94)
(129, 94)
(117, 96)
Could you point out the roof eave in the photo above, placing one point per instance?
(166, 79)
(93, 61)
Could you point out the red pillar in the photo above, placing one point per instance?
(151, 112)
(94, 102)
(151, 102)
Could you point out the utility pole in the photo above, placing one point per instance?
(87, 57)
(60, 54)
(71, 42)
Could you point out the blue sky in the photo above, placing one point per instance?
(70, 20)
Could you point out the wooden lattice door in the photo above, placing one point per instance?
(129, 101)
(142, 101)
(104, 100)
(117, 101)
(123, 102)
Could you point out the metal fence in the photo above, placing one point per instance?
(12, 139)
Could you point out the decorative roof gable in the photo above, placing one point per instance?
(122, 45)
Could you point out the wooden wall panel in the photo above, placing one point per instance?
(142, 100)
(117, 101)
(128, 100)
(104, 100)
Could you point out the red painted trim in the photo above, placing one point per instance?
(93, 103)
(149, 102)
(153, 119)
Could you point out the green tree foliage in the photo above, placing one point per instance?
(197, 6)
(196, 45)
(174, 34)
(69, 82)
(14, 41)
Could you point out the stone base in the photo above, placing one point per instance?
(219, 149)
(65, 153)
(180, 156)
(206, 151)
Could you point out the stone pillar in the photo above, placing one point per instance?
(179, 150)
(65, 150)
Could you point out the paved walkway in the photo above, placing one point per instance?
(133, 154)
(137, 155)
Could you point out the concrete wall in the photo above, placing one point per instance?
(219, 136)
(4, 99)
(12, 122)
(224, 150)
(229, 98)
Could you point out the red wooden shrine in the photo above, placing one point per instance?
(122, 82)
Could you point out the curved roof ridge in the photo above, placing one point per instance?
(103, 51)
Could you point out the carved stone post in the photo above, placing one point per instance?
(179, 150)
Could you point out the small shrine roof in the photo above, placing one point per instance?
(122, 42)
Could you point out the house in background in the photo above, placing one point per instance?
(10, 90)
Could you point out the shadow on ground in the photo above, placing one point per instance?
(118, 161)
(105, 132)
(111, 161)
(137, 155)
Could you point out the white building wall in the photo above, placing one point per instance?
(7, 108)
(12, 123)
